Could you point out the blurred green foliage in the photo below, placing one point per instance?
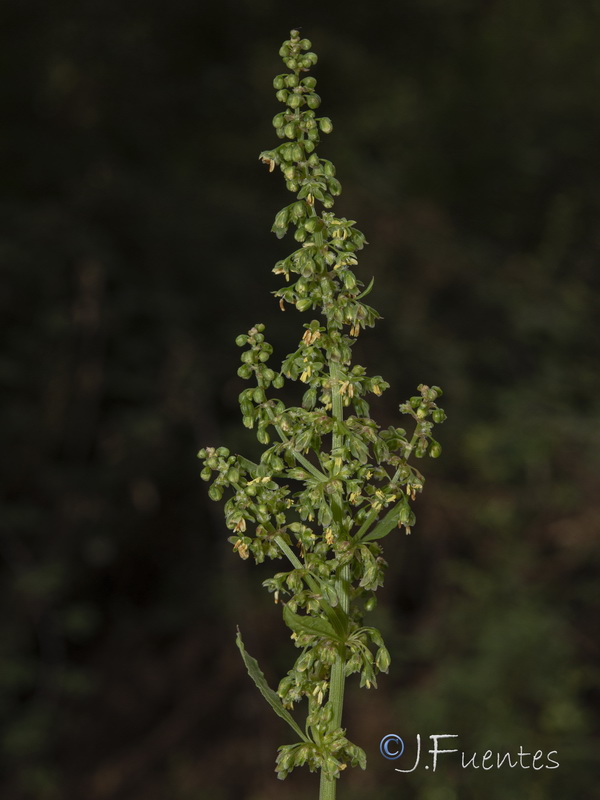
(135, 245)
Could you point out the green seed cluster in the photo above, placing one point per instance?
(330, 483)
(324, 262)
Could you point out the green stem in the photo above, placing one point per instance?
(328, 784)
(410, 447)
(287, 550)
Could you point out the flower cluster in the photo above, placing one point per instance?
(330, 483)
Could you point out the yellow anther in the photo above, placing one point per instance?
(241, 548)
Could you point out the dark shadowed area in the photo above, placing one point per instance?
(135, 246)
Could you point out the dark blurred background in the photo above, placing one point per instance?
(135, 246)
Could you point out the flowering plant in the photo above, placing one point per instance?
(330, 483)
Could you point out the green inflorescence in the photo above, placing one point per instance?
(330, 483)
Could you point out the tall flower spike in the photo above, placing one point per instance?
(330, 483)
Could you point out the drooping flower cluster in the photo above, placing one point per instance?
(330, 483)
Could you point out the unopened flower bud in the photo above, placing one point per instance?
(215, 492)
(435, 450)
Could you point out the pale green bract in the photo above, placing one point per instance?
(330, 482)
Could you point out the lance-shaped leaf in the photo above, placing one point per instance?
(385, 525)
(316, 626)
(269, 694)
(367, 290)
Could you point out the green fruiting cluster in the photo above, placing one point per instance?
(330, 483)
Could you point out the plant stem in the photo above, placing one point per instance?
(328, 784)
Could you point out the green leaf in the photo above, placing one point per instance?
(367, 290)
(269, 694)
(385, 525)
(317, 626)
(248, 465)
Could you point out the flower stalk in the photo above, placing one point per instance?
(330, 483)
